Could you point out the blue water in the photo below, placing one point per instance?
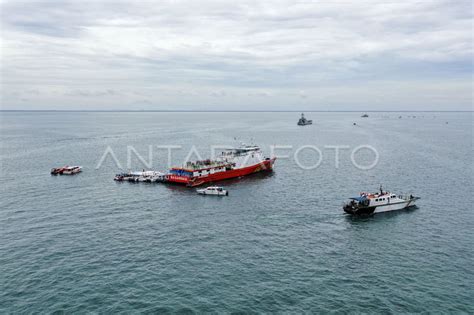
(279, 243)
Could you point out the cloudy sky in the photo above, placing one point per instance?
(227, 55)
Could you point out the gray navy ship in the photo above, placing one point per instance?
(303, 121)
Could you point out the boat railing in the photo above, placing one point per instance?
(204, 164)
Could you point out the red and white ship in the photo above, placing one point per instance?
(231, 163)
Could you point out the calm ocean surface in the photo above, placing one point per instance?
(279, 243)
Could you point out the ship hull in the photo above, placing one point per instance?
(266, 165)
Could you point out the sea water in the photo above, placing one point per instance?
(279, 242)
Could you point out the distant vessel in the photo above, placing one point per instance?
(369, 203)
(364, 116)
(213, 191)
(66, 170)
(231, 163)
(303, 121)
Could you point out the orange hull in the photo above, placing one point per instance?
(266, 165)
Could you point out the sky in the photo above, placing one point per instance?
(236, 55)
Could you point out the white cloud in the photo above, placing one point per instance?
(181, 53)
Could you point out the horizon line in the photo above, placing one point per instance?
(233, 111)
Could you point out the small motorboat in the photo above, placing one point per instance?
(66, 170)
(365, 116)
(213, 190)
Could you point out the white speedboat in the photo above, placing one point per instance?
(213, 190)
(383, 201)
